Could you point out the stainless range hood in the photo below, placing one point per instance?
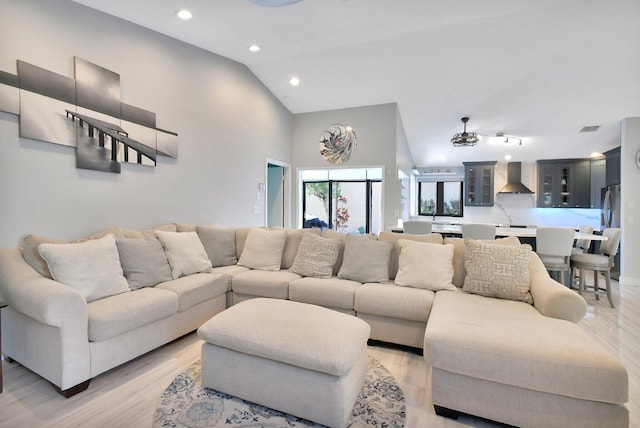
(514, 179)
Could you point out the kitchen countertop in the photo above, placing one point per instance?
(520, 232)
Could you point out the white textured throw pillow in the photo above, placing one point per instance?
(185, 253)
(91, 267)
(425, 265)
(316, 256)
(263, 249)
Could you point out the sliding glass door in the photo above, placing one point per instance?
(347, 206)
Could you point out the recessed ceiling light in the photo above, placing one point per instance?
(596, 155)
(507, 157)
(254, 48)
(294, 81)
(184, 14)
(442, 158)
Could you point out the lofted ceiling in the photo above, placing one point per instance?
(539, 70)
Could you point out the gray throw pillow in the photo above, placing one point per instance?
(316, 256)
(220, 244)
(143, 261)
(365, 260)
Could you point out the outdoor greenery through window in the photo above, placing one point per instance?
(346, 200)
(442, 198)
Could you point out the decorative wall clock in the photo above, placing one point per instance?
(337, 143)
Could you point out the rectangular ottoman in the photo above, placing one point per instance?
(297, 358)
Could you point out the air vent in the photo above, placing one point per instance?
(592, 128)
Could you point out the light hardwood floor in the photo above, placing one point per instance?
(127, 396)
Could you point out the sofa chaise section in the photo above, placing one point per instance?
(504, 361)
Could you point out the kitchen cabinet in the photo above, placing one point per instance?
(478, 183)
(598, 181)
(613, 166)
(564, 183)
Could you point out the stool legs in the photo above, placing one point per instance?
(607, 280)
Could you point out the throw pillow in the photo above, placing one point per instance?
(263, 249)
(459, 272)
(91, 267)
(425, 265)
(500, 271)
(185, 253)
(316, 256)
(30, 245)
(143, 261)
(220, 245)
(365, 260)
(294, 236)
(434, 238)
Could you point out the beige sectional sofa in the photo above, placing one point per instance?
(523, 362)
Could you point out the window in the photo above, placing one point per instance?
(442, 198)
(346, 200)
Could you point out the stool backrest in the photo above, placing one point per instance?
(585, 243)
(610, 246)
(479, 231)
(417, 227)
(555, 241)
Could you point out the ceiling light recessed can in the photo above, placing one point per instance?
(184, 14)
(254, 48)
(294, 81)
(507, 157)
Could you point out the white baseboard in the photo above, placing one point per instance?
(629, 281)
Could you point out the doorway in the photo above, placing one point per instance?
(276, 198)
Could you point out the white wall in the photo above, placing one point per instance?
(375, 127)
(227, 123)
(630, 179)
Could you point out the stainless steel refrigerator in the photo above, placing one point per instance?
(610, 217)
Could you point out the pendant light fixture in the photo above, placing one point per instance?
(464, 138)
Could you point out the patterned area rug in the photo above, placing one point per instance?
(186, 404)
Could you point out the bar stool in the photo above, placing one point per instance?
(417, 227)
(598, 263)
(582, 245)
(554, 246)
(478, 231)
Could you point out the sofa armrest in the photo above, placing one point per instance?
(40, 298)
(551, 298)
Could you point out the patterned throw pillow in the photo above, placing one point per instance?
(316, 256)
(497, 270)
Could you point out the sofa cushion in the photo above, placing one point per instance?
(389, 300)
(365, 260)
(263, 249)
(510, 343)
(497, 270)
(333, 293)
(118, 314)
(459, 272)
(434, 238)
(291, 245)
(273, 284)
(425, 265)
(220, 245)
(316, 256)
(196, 288)
(30, 244)
(143, 261)
(91, 267)
(185, 253)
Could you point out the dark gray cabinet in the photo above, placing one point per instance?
(598, 181)
(478, 183)
(564, 183)
(613, 166)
